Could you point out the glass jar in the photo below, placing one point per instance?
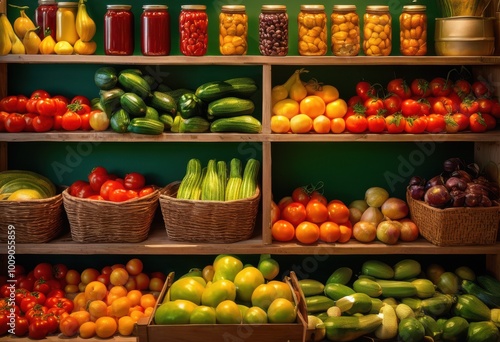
(345, 30)
(155, 30)
(273, 30)
(119, 30)
(233, 30)
(377, 31)
(312, 30)
(193, 29)
(413, 30)
(66, 22)
(45, 17)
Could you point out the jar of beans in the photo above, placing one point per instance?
(377, 31)
(233, 30)
(413, 30)
(193, 26)
(273, 30)
(345, 30)
(312, 30)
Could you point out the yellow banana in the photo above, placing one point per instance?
(5, 43)
(85, 26)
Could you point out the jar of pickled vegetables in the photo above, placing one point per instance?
(273, 30)
(413, 30)
(155, 30)
(311, 23)
(233, 30)
(345, 30)
(66, 22)
(377, 31)
(119, 30)
(45, 17)
(193, 26)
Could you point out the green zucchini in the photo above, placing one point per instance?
(485, 331)
(471, 308)
(105, 78)
(311, 287)
(367, 286)
(237, 124)
(337, 290)
(410, 329)
(145, 126)
(454, 328)
(215, 90)
(163, 103)
(133, 71)
(234, 182)
(240, 80)
(349, 328)
(134, 83)
(119, 121)
(195, 124)
(211, 189)
(437, 305)
(341, 275)
(222, 175)
(318, 303)
(229, 107)
(152, 113)
(431, 327)
(355, 303)
(377, 269)
(489, 283)
(191, 177)
(250, 178)
(490, 299)
(167, 120)
(133, 104)
(110, 100)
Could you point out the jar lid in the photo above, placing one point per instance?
(67, 4)
(119, 7)
(46, 2)
(377, 8)
(233, 8)
(273, 8)
(344, 7)
(155, 7)
(312, 7)
(194, 7)
(414, 8)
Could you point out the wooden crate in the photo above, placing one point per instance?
(148, 331)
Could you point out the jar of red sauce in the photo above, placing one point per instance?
(193, 26)
(155, 30)
(119, 30)
(45, 17)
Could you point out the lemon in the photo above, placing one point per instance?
(24, 195)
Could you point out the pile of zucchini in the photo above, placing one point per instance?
(134, 102)
(400, 303)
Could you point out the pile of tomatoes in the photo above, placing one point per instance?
(41, 112)
(102, 185)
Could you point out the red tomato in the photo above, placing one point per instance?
(3, 117)
(468, 106)
(14, 104)
(39, 94)
(485, 105)
(96, 197)
(43, 123)
(410, 107)
(46, 106)
(85, 191)
(294, 213)
(121, 195)
(490, 120)
(495, 111)
(28, 118)
(22, 326)
(97, 179)
(443, 105)
(435, 123)
(395, 123)
(134, 181)
(462, 88)
(440, 86)
(477, 123)
(147, 190)
(75, 186)
(61, 104)
(392, 104)
(316, 211)
(108, 187)
(376, 123)
(415, 124)
(59, 271)
(43, 270)
(38, 329)
(71, 121)
(425, 106)
(365, 90)
(481, 89)
(69, 326)
(400, 88)
(85, 122)
(462, 120)
(80, 99)
(373, 105)
(354, 100)
(42, 285)
(420, 88)
(58, 122)
(15, 123)
(451, 125)
(31, 105)
(301, 195)
(356, 123)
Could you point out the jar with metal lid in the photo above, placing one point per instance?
(155, 30)
(233, 30)
(45, 17)
(377, 31)
(413, 30)
(66, 22)
(119, 30)
(193, 29)
(311, 23)
(345, 30)
(273, 30)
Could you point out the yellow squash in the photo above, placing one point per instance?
(17, 44)
(31, 42)
(85, 26)
(85, 48)
(47, 45)
(5, 43)
(63, 48)
(23, 23)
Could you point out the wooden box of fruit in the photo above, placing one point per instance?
(149, 331)
(31, 209)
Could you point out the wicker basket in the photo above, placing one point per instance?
(35, 221)
(455, 226)
(207, 221)
(105, 221)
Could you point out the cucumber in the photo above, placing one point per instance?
(133, 104)
(377, 269)
(492, 300)
(110, 100)
(318, 303)
(336, 290)
(242, 87)
(105, 78)
(341, 275)
(195, 124)
(163, 102)
(455, 329)
(471, 308)
(176, 93)
(485, 331)
(349, 328)
(145, 126)
(410, 330)
(229, 107)
(119, 121)
(237, 124)
(134, 83)
(152, 113)
(353, 304)
(311, 287)
(167, 120)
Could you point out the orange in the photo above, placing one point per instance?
(313, 106)
(337, 125)
(105, 327)
(328, 93)
(280, 124)
(120, 307)
(301, 123)
(126, 325)
(287, 107)
(321, 124)
(87, 329)
(80, 301)
(336, 109)
(116, 292)
(283, 231)
(97, 308)
(329, 231)
(338, 212)
(148, 311)
(148, 301)
(135, 297)
(307, 232)
(95, 290)
(136, 315)
(81, 316)
(316, 211)
(345, 233)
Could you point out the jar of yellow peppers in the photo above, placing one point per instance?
(233, 30)
(377, 31)
(311, 23)
(413, 30)
(345, 30)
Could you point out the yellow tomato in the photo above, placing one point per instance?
(287, 107)
(105, 326)
(280, 124)
(301, 123)
(63, 48)
(336, 109)
(313, 106)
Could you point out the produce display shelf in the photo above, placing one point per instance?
(59, 338)
(57, 136)
(252, 60)
(159, 244)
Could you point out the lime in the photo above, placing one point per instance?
(264, 295)
(255, 315)
(246, 281)
(269, 268)
(174, 312)
(187, 288)
(203, 315)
